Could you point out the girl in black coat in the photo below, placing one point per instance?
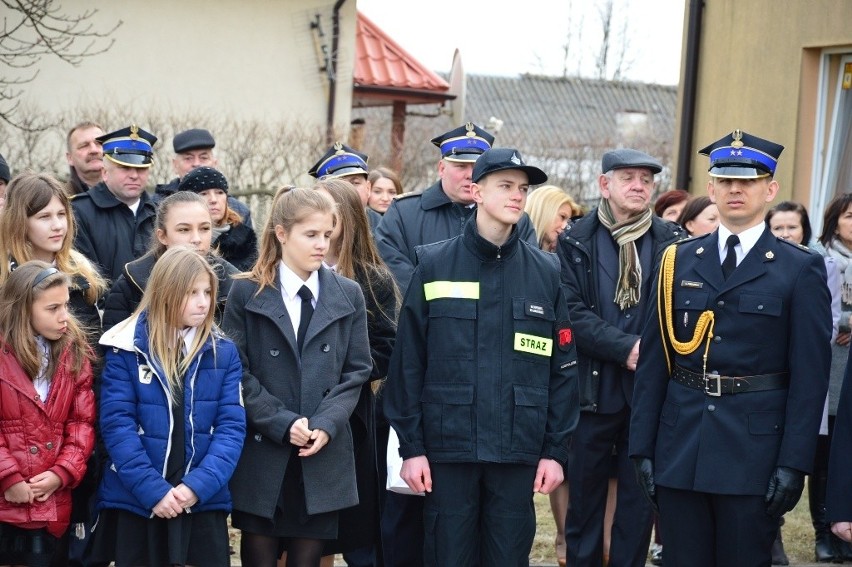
(301, 330)
(182, 219)
(353, 254)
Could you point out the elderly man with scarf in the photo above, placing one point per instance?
(608, 263)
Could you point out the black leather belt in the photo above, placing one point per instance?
(716, 385)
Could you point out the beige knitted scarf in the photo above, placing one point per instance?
(628, 291)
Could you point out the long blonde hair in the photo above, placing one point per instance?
(26, 195)
(165, 297)
(542, 206)
(16, 306)
(290, 206)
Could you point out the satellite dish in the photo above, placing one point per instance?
(458, 87)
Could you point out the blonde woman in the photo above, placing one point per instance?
(550, 208)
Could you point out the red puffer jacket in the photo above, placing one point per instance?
(35, 437)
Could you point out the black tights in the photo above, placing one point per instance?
(264, 551)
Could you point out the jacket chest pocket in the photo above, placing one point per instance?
(688, 305)
(760, 305)
(452, 325)
(533, 323)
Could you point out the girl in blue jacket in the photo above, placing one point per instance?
(172, 422)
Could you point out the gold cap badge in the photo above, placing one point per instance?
(738, 138)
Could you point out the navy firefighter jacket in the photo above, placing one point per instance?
(484, 368)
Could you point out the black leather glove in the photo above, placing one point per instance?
(645, 477)
(785, 489)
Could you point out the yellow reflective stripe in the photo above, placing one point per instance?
(533, 344)
(461, 290)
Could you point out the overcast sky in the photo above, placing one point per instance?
(510, 37)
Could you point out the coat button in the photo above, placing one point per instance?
(324, 394)
(627, 316)
(274, 352)
(711, 407)
(687, 302)
(326, 348)
(760, 307)
(258, 437)
(721, 304)
(717, 339)
(577, 260)
(594, 372)
(33, 449)
(49, 445)
(36, 397)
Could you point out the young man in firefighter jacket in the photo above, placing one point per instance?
(482, 388)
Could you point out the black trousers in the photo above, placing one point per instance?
(588, 474)
(715, 530)
(479, 510)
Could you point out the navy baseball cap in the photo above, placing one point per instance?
(499, 159)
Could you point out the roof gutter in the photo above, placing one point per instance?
(690, 88)
(332, 71)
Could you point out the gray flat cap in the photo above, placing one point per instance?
(625, 157)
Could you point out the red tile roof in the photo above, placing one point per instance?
(380, 62)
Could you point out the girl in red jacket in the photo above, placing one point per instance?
(47, 412)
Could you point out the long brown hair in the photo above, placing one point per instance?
(165, 297)
(16, 306)
(290, 206)
(357, 256)
(26, 195)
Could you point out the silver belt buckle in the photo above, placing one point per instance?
(709, 381)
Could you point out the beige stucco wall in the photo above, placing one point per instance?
(758, 69)
(251, 59)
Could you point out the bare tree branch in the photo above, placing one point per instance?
(33, 29)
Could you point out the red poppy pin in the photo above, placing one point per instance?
(565, 337)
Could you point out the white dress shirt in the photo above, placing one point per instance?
(290, 286)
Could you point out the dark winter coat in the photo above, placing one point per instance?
(484, 368)
(598, 340)
(423, 218)
(279, 387)
(238, 246)
(108, 233)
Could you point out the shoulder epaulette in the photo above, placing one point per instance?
(408, 195)
(798, 246)
(76, 196)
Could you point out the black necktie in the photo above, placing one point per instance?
(730, 261)
(307, 313)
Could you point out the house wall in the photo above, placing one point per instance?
(252, 60)
(758, 69)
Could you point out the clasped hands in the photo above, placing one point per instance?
(309, 441)
(38, 489)
(176, 501)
